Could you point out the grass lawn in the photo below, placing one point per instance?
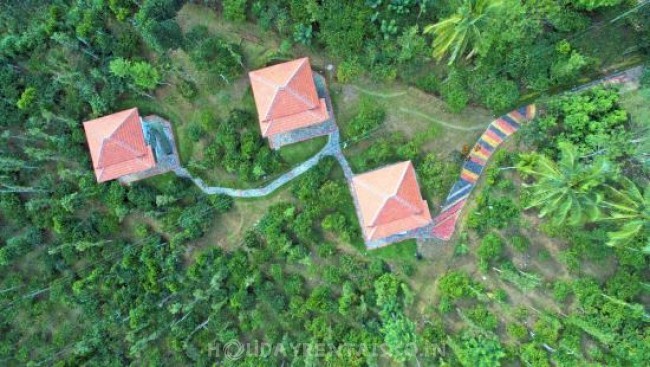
(297, 153)
(637, 103)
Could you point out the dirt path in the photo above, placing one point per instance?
(445, 124)
(377, 94)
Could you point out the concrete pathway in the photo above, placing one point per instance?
(332, 148)
(443, 226)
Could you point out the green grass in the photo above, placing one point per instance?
(297, 153)
(401, 251)
(160, 181)
(637, 103)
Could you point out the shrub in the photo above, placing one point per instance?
(303, 34)
(517, 331)
(493, 212)
(454, 285)
(187, 89)
(561, 290)
(218, 57)
(519, 243)
(369, 117)
(429, 83)
(499, 94)
(349, 70)
(454, 92)
(491, 248)
(234, 10)
(194, 132)
(483, 318)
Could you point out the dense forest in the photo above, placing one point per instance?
(550, 264)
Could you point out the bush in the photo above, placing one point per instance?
(499, 94)
(645, 78)
(561, 290)
(348, 71)
(194, 132)
(187, 89)
(369, 117)
(218, 57)
(454, 285)
(491, 248)
(454, 92)
(429, 83)
(195, 36)
(234, 10)
(493, 212)
(483, 318)
(519, 243)
(517, 331)
(436, 175)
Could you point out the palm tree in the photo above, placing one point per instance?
(463, 29)
(631, 207)
(568, 190)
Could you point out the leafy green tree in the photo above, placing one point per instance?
(463, 30)
(399, 336)
(594, 4)
(141, 73)
(218, 57)
(568, 190)
(490, 248)
(628, 206)
(477, 350)
(27, 98)
(234, 10)
(398, 330)
(454, 91)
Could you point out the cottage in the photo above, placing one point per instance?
(389, 203)
(292, 103)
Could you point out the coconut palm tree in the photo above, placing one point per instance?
(463, 30)
(568, 191)
(630, 206)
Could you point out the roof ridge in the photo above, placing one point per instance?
(298, 68)
(395, 195)
(116, 139)
(268, 83)
(384, 196)
(284, 88)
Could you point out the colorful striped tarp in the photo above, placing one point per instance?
(498, 131)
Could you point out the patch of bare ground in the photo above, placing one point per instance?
(438, 259)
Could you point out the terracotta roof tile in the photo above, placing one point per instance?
(117, 146)
(389, 201)
(286, 97)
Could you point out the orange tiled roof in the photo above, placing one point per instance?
(286, 97)
(389, 201)
(117, 145)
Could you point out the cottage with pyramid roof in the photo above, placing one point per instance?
(389, 203)
(117, 145)
(292, 102)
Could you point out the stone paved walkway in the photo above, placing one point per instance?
(332, 148)
(443, 225)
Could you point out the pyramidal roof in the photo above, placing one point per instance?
(117, 146)
(286, 97)
(389, 201)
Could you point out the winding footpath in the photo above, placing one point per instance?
(444, 224)
(332, 148)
